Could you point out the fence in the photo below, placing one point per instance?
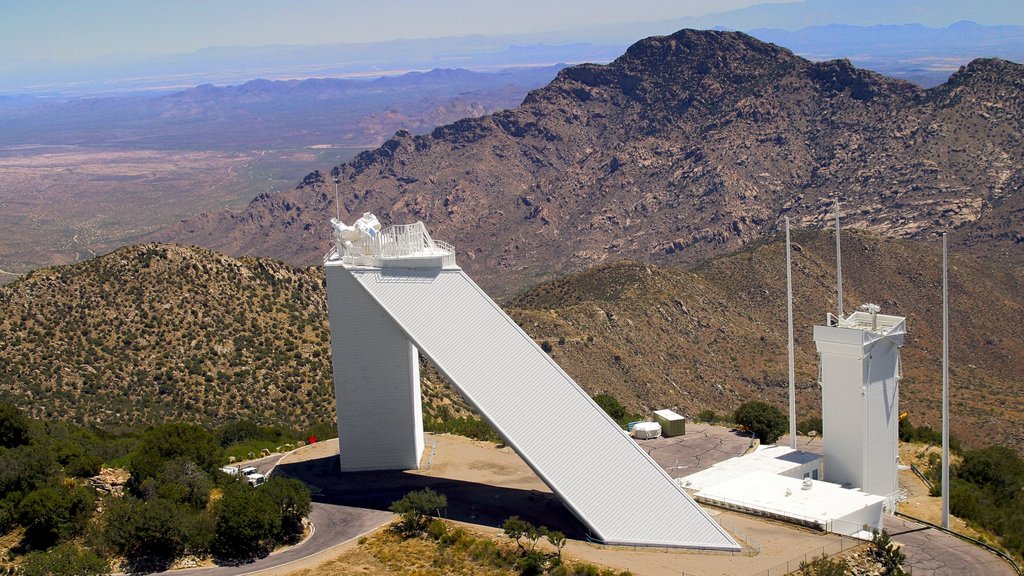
(832, 548)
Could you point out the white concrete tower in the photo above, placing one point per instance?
(376, 367)
(859, 378)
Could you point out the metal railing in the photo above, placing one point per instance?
(396, 241)
(1013, 563)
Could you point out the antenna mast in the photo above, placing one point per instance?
(792, 370)
(945, 388)
(839, 269)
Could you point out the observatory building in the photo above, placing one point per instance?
(859, 378)
(395, 293)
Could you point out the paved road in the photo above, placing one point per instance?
(932, 552)
(334, 525)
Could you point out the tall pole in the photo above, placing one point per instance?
(839, 268)
(337, 205)
(945, 387)
(792, 369)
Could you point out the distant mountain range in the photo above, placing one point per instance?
(263, 114)
(896, 35)
(685, 147)
(923, 55)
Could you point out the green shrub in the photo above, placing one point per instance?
(805, 427)
(824, 566)
(611, 406)
(174, 441)
(417, 506)
(14, 426)
(764, 420)
(64, 560)
(708, 416)
(247, 523)
(293, 502)
(156, 528)
(54, 513)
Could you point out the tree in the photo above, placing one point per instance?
(557, 539)
(155, 528)
(247, 522)
(887, 553)
(611, 406)
(997, 468)
(182, 481)
(55, 512)
(14, 426)
(238, 431)
(292, 498)
(173, 441)
(415, 507)
(515, 528)
(764, 420)
(64, 560)
(24, 469)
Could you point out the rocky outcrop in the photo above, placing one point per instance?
(686, 146)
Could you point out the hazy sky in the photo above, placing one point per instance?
(73, 30)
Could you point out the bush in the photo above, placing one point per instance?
(238, 431)
(824, 566)
(887, 554)
(764, 420)
(64, 560)
(415, 507)
(54, 513)
(293, 502)
(24, 469)
(174, 441)
(84, 466)
(247, 522)
(708, 416)
(155, 528)
(805, 427)
(611, 406)
(14, 426)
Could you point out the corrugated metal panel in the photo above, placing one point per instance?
(608, 481)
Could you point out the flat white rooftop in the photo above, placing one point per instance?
(769, 459)
(757, 484)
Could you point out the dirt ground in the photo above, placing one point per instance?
(920, 503)
(767, 545)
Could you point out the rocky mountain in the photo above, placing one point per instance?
(156, 332)
(685, 147)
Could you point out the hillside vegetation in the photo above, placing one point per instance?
(715, 335)
(153, 333)
(156, 333)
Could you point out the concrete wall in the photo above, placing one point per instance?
(882, 446)
(376, 381)
(842, 404)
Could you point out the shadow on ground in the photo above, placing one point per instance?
(471, 502)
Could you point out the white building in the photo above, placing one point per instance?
(859, 378)
(394, 293)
